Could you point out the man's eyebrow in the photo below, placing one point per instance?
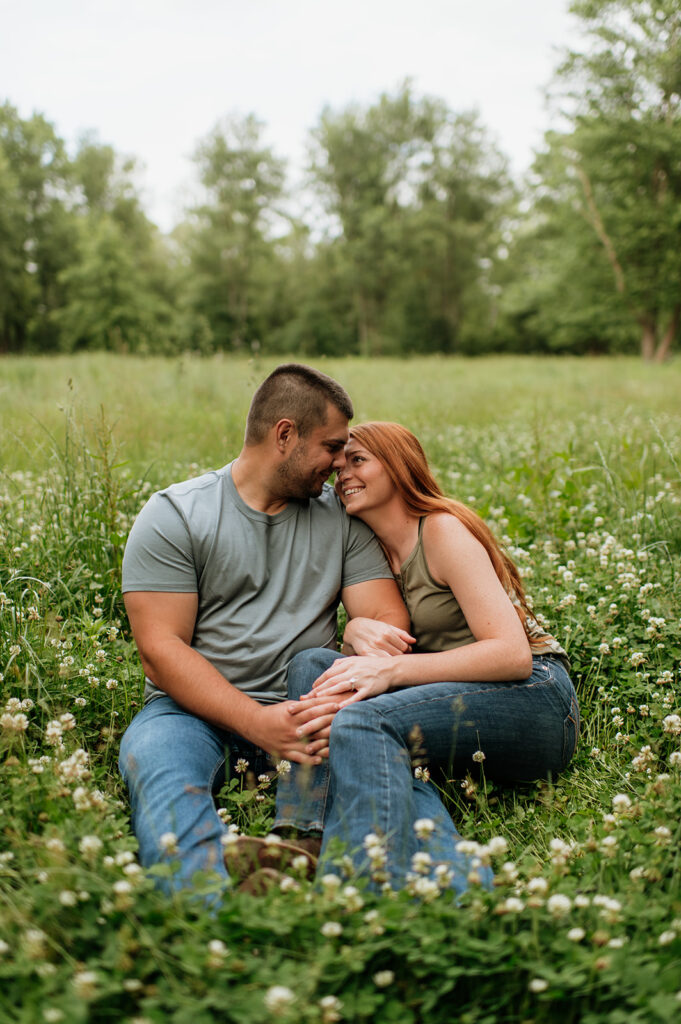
(335, 443)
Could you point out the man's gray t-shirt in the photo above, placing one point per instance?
(268, 586)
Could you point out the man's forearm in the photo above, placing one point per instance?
(196, 685)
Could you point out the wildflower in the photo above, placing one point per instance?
(538, 985)
(424, 827)
(85, 984)
(663, 834)
(240, 768)
(576, 934)
(53, 733)
(331, 929)
(636, 658)
(672, 724)
(14, 650)
(283, 767)
(621, 803)
(330, 883)
(68, 898)
(497, 846)
(331, 1008)
(604, 648)
(675, 758)
(351, 898)
(383, 978)
(55, 845)
(14, 723)
(538, 886)
(424, 888)
(667, 937)
(558, 905)
(278, 998)
(112, 684)
(478, 756)
(168, 842)
(52, 1015)
(512, 905)
(422, 773)
(217, 952)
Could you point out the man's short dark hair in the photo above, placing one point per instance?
(296, 392)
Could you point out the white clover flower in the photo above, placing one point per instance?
(278, 998)
(675, 759)
(576, 934)
(663, 834)
(478, 756)
(4, 947)
(672, 724)
(424, 827)
(240, 767)
(55, 845)
(636, 658)
(351, 897)
(283, 767)
(331, 1008)
(14, 723)
(52, 1015)
(216, 947)
(85, 984)
(558, 905)
(667, 937)
(383, 978)
(508, 872)
(497, 846)
(68, 898)
(538, 886)
(331, 929)
(330, 883)
(538, 985)
(422, 773)
(512, 905)
(288, 884)
(621, 803)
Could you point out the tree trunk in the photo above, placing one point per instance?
(648, 340)
(667, 339)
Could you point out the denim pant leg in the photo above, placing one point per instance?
(302, 795)
(526, 730)
(172, 763)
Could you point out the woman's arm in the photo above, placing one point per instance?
(500, 652)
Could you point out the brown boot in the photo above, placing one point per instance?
(248, 854)
(260, 882)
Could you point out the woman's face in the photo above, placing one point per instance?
(363, 482)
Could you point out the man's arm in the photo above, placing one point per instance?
(379, 621)
(163, 625)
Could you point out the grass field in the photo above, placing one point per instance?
(576, 465)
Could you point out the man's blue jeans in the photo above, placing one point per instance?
(526, 730)
(173, 764)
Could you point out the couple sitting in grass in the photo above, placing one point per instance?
(232, 583)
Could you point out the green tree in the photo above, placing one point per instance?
(38, 229)
(416, 194)
(610, 184)
(229, 238)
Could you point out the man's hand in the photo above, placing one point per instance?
(298, 732)
(365, 637)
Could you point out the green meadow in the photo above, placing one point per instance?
(576, 465)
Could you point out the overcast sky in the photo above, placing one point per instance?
(152, 77)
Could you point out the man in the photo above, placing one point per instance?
(226, 578)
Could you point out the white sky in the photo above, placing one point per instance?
(152, 77)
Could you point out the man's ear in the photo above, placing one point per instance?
(285, 436)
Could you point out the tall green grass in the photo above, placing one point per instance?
(575, 465)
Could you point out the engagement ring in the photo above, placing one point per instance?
(352, 683)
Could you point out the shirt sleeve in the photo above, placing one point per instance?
(363, 556)
(158, 554)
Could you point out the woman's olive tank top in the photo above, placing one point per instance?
(437, 621)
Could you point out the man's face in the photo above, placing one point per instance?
(315, 457)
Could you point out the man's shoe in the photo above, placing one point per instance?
(248, 854)
(260, 882)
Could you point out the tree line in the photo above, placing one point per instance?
(417, 240)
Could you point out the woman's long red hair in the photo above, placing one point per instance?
(406, 463)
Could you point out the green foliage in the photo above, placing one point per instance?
(601, 260)
(582, 483)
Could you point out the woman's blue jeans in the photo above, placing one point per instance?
(526, 730)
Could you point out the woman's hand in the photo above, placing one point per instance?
(366, 677)
(364, 637)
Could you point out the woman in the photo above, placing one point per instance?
(479, 680)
